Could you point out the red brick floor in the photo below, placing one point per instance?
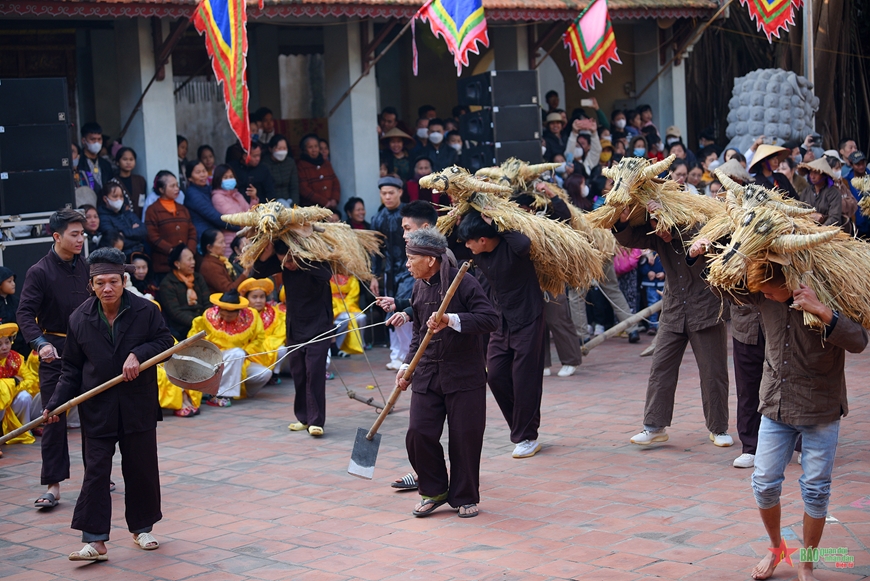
(244, 498)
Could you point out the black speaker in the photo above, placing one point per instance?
(518, 123)
(34, 147)
(499, 89)
(29, 192)
(33, 101)
(490, 154)
(19, 255)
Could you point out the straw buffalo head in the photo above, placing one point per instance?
(630, 174)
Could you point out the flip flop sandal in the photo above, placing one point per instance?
(52, 501)
(88, 553)
(315, 431)
(468, 514)
(297, 427)
(406, 482)
(146, 541)
(428, 506)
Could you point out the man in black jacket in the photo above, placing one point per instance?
(108, 335)
(90, 160)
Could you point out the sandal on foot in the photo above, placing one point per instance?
(47, 500)
(88, 553)
(467, 514)
(428, 506)
(184, 412)
(297, 427)
(146, 541)
(220, 402)
(406, 482)
(315, 431)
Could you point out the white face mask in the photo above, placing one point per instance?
(75, 162)
(838, 174)
(94, 147)
(422, 132)
(620, 123)
(584, 191)
(436, 137)
(280, 154)
(578, 152)
(561, 169)
(672, 140)
(116, 205)
(456, 146)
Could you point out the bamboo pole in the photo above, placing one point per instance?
(624, 325)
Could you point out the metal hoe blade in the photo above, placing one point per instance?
(364, 455)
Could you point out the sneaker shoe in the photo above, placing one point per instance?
(546, 372)
(567, 371)
(722, 440)
(645, 438)
(395, 365)
(800, 457)
(744, 461)
(599, 330)
(526, 449)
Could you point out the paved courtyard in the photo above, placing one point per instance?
(245, 499)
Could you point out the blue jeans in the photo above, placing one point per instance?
(652, 297)
(776, 442)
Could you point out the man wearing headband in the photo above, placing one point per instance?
(110, 335)
(515, 355)
(450, 380)
(53, 288)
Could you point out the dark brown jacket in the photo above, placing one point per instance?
(172, 296)
(745, 322)
(318, 184)
(93, 355)
(166, 231)
(828, 203)
(804, 382)
(689, 304)
(456, 360)
(215, 273)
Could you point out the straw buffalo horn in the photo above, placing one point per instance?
(659, 167)
(537, 169)
(485, 187)
(608, 172)
(729, 184)
(433, 181)
(790, 210)
(241, 219)
(490, 172)
(788, 243)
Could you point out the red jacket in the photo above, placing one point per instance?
(318, 184)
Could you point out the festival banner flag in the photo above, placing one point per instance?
(223, 23)
(771, 15)
(462, 25)
(591, 44)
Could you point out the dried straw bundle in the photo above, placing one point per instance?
(308, 237)
(636, 184)
(862, 184)
(515, 173)
(602, 240)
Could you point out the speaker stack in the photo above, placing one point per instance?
(35, 157)
(508, 123)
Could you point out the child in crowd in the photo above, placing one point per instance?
(16, 403)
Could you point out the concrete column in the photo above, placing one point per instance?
(353, 138)
(667, 95)
(511, 46)
(152, 132)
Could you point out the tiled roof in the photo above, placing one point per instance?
(520, 10)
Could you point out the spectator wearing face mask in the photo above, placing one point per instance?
(674, 136)
(454, 140)
(116, 215)
(421, 136)
(655, 147)
(226, 199)
(251, 173)
(618, 124)
(439, 153)
(577, 188)
(90, 162)
(637, 146)
(285, 176)
(586, 144)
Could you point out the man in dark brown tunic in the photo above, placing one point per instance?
(108, 335)
(515, 355)
(690, 314)
(53, 288)
(449, 381)
(309, 315)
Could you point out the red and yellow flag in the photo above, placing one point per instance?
(591, 44)
(771, 15)
(223, 23)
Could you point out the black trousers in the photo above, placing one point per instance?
(748, 369)
(55, 445)
(515, 363)
(465, 412)
(93, 512)
(308, 368)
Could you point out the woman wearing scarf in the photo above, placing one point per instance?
(168, 222)
(318, 184)
(183, 294)
(216, 268)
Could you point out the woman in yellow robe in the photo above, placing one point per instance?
(237, 331)
(15, 401)
(345, 309)
(256, 290)
(185, 402)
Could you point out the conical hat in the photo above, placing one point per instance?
(396, 132)
(766, 151)
(735, 171)
(820, 165)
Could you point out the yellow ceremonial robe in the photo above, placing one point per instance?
(10, 366)
(345, 299)
(246, 332)
(275, 326)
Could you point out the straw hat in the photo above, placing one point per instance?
(766, 151)
(673, 131)
(8, 330)
(229, 301)
(820, 165)
(553, 117)
(736, 172)
(396, 132)
(264, 284)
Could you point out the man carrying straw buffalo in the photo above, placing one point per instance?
(450, 379)
(109, 335)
